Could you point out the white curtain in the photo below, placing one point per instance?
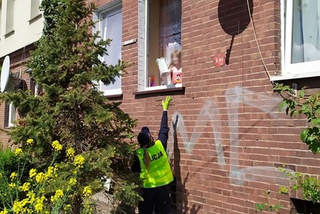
(306, 31)
(170, 35)
(111, 28)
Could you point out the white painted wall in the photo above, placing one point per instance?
(27, 29)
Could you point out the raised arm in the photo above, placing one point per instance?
(164, 129)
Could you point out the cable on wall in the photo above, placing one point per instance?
(257, 42)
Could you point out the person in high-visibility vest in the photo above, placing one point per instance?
(153, 165)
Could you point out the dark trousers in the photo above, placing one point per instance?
(155, 199)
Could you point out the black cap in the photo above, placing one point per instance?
(143, 138)
(145, 129)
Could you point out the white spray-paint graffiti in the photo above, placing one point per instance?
(207, 114)
(210, 114)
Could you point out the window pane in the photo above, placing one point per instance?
(111, 28)
(164, 38)
(0, 16)
(306, 31)
(12, 114)
(170, 37)
(35, 4)
(6, 114)
(10, 16)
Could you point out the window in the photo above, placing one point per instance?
(9, 115)
(111, 28)
(161, 37)
(35, 87)
(0, 15)
(10, 16)
(301, 38)
(35, 11)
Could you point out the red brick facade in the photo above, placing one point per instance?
(227, 136)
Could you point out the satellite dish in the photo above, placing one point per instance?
(5, 73)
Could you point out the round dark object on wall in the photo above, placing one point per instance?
(234, 16)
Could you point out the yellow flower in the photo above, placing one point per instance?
(40, 177)
(72, 181)
(59, 194)
(79, 161)
(32, 173)
(52, 172)
(88, 206)
(70, 152)
(18, 206)
(5, 211)
(13, 175)
(38, 207)
(56, 145)
(39, 204)
(87, 192)
(66, 207)
(12, 185)
(25, 187)
(18, 151)
(31, 196)
(29, 141)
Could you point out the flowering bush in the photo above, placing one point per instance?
(70, 131)
(29, 190)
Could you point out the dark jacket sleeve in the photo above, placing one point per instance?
(164, 129)
(136, 165)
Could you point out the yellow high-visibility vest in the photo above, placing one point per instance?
(159, 173)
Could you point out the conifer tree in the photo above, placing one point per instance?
(71, 109)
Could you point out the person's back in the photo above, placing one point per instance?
(153, 165)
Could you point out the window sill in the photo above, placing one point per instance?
(8, 127)
(10, 33)
(115, 94)
(160, 90)
(294, 76)
(34, 19)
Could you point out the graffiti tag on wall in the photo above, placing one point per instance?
(209, 115)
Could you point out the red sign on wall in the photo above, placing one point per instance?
(219, 60)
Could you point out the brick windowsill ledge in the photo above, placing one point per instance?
(157, 92)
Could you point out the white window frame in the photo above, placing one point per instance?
(111, 8)
(10, 115)
(292, 70)
(143, 83)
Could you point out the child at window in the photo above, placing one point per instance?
(175, 67)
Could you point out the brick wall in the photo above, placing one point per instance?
(17, 60)
(227, 136)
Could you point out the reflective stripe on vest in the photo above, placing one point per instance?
(160, 173)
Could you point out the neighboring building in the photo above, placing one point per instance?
(21, 25)
(227, 134)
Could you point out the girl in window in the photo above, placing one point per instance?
(175, 67)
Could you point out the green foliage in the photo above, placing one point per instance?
(7, 161)
(267, 206)
(303, 104)
(50, 14)
(309, 185)
(71, 109)
(50, 190)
